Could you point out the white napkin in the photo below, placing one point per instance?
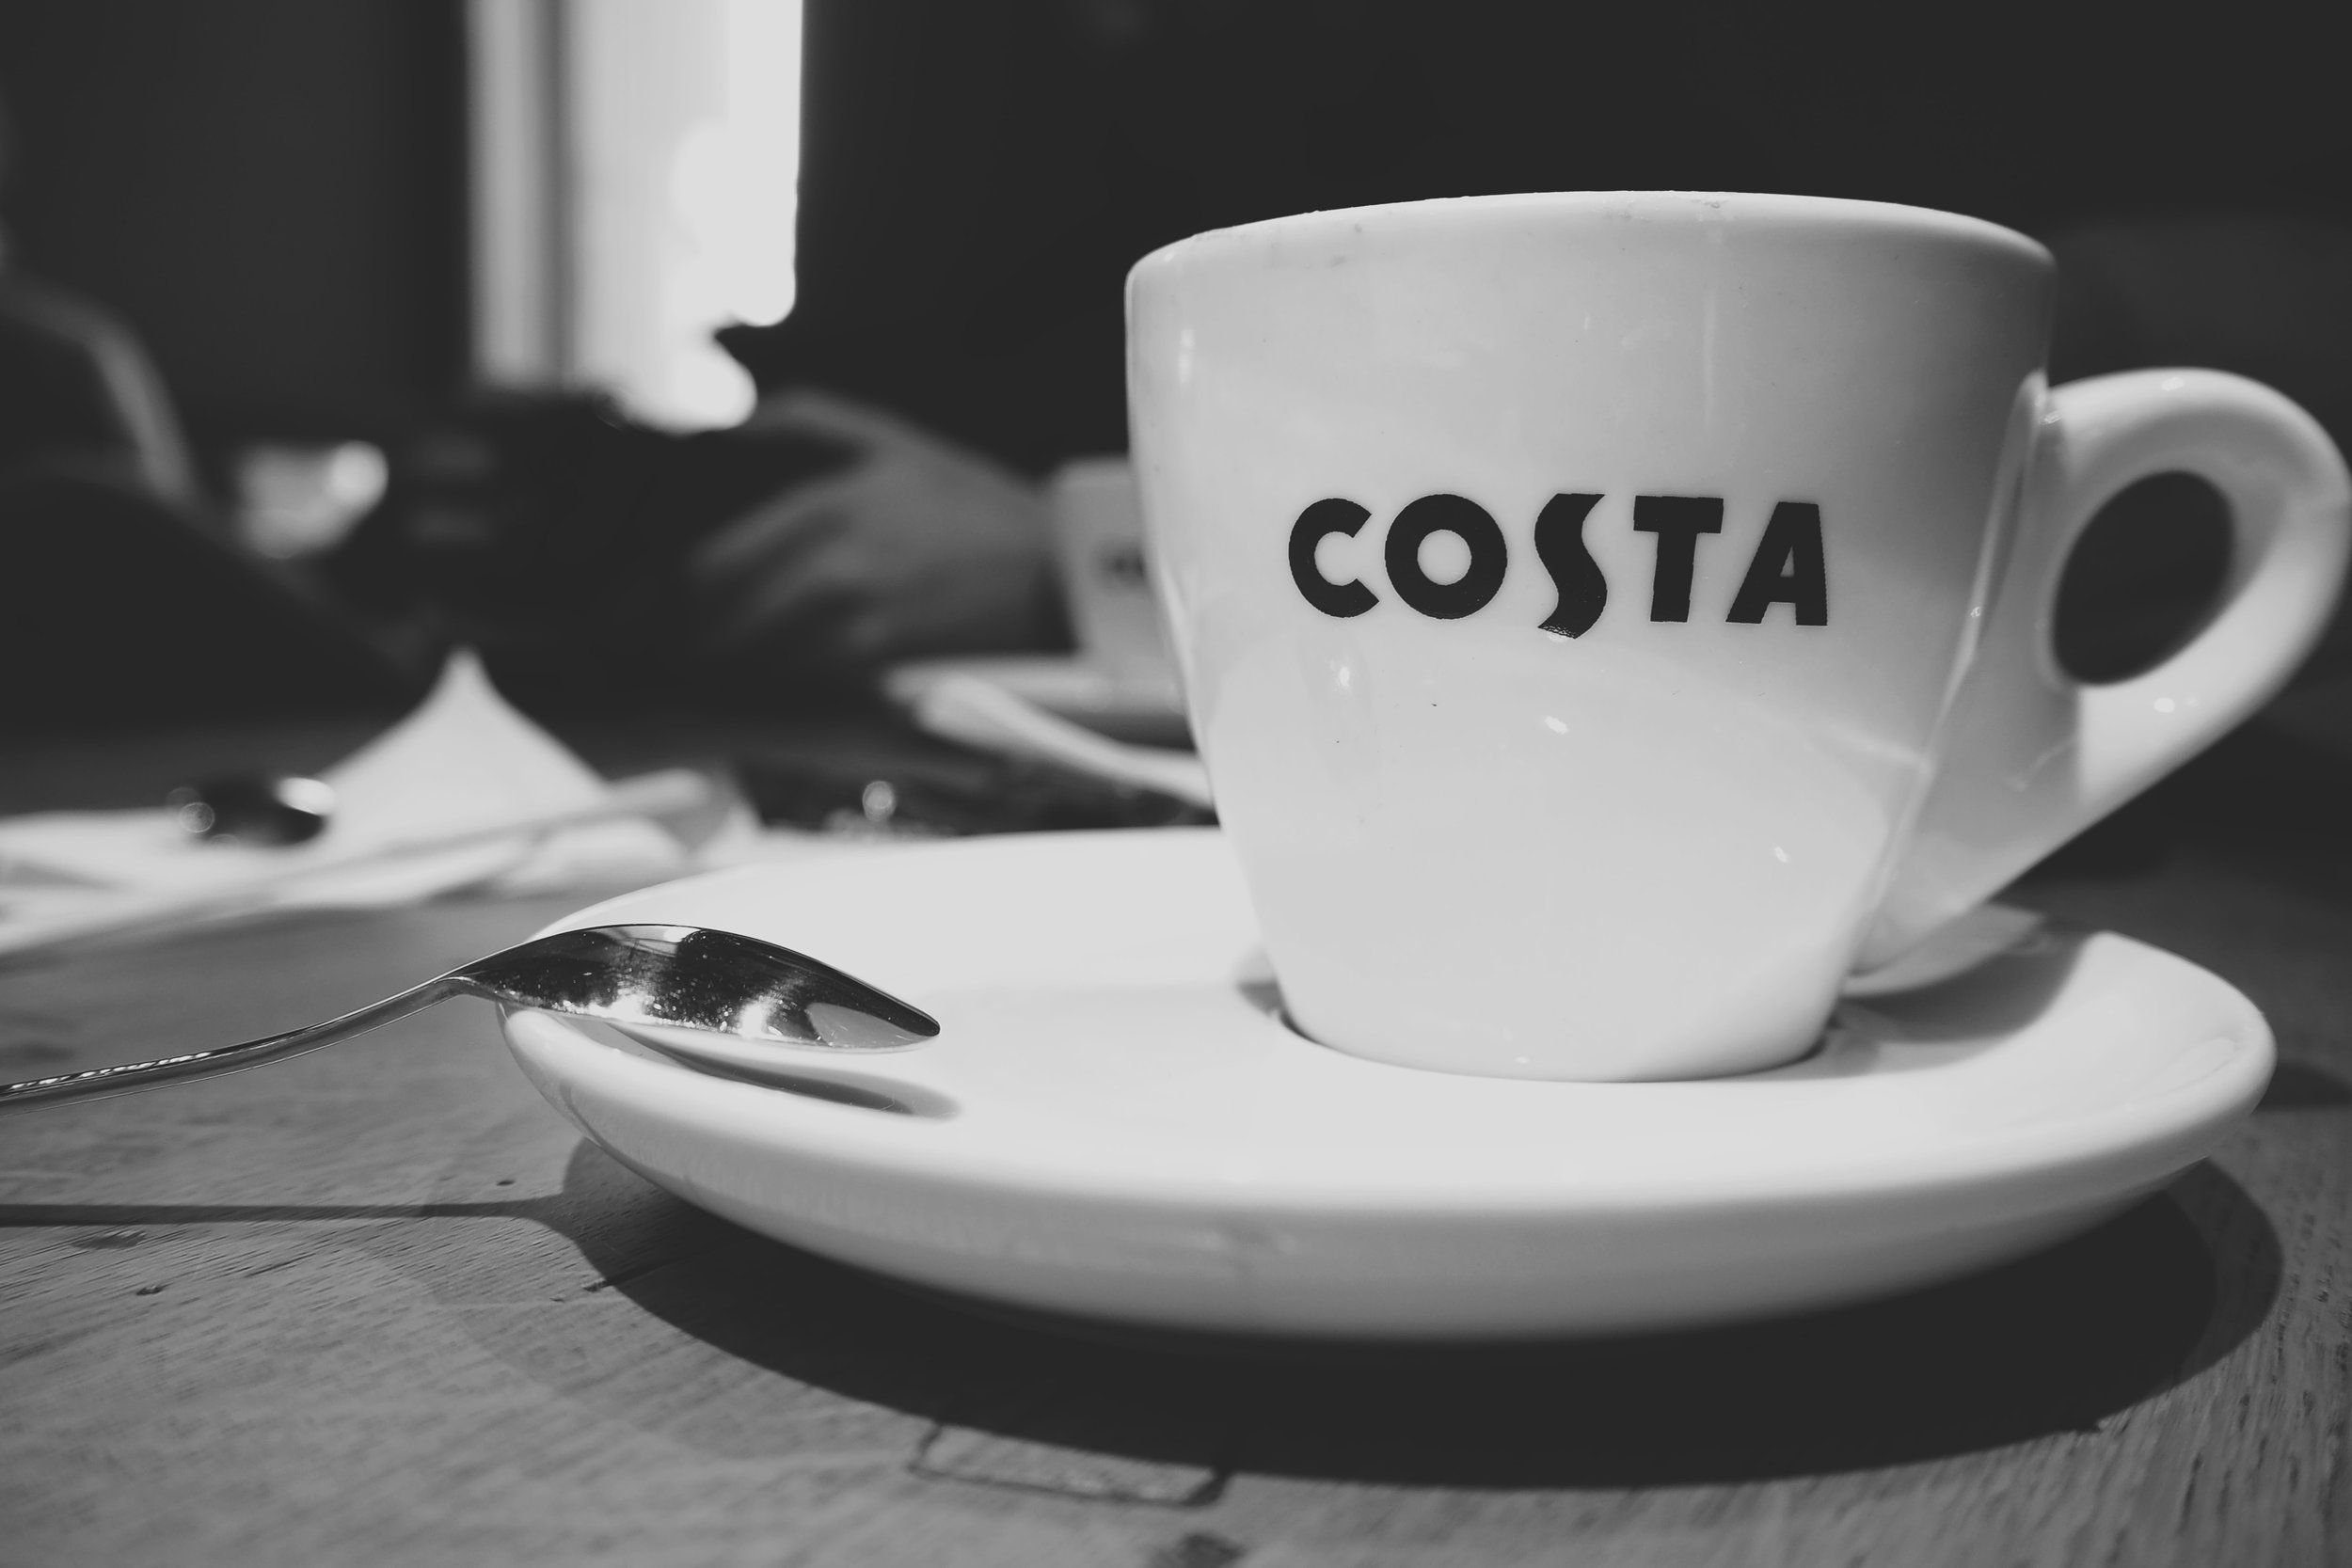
(463, 759)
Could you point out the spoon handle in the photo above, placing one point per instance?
(98, 1083)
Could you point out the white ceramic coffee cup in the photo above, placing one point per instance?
(1610, 619)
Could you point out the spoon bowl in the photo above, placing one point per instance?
(682, 980)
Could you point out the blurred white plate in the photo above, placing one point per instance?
(1115, 1123)
(1127, 706)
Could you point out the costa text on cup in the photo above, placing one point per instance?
(1786, 568)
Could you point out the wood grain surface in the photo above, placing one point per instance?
(381, 1304)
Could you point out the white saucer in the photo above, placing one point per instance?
(1114, 1122)
(1070, 686)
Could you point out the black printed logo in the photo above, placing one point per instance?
(1560, 546)
(1787, 567)
(1467, 521)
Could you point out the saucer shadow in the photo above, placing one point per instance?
(2056, 1342)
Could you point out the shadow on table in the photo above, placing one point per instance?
(2059, 1343)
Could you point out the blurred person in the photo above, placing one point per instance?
(74, 384)
(978, 176)
(120, 594)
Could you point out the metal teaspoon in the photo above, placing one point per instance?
(684, 977)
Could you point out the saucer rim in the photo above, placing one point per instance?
(1498, 1257)
(2183, 1111)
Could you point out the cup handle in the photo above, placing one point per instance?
(2030, 756)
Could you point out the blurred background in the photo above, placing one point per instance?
(717, 353)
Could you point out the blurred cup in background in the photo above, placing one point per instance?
(1107, 578)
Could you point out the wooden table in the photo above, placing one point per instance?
(381, 1304)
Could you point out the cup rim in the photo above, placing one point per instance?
(1692, 207)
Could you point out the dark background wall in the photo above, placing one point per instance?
(271, 192)
(977, 174)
